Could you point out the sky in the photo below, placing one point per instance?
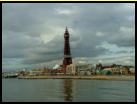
(33, 33)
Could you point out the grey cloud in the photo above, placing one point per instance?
(126, 42)
(107, 21)
(24, 24)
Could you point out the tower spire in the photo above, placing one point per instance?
(66, 29)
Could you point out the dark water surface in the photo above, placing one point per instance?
(60, 90)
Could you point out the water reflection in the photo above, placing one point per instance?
(68, 89)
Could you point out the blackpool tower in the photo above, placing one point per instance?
(67, 55)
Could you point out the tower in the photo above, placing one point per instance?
(67, 55)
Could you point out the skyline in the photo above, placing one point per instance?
(33, 33)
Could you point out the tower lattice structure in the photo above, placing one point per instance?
(67, 54)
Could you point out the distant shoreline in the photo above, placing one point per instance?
(95, 77)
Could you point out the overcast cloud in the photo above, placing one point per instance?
(32, 34)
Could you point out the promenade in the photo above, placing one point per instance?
(92, 77)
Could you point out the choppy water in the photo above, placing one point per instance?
(60, 90)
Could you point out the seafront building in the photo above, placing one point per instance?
(88, 69)
(71, 69)
(75, 70)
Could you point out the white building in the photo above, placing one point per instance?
(132, 70)
(71, 69)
